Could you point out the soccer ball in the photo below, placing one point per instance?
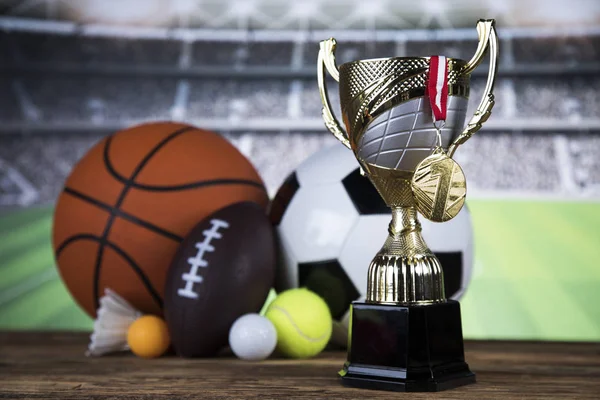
(331, 222)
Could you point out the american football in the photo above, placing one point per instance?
(223, 269)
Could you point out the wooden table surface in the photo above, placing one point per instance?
(53, 365)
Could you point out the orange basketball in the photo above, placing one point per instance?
(130, 201)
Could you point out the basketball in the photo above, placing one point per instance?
(131, 200)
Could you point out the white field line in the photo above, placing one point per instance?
(28, 285)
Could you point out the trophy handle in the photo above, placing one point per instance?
(327, 59)
(487, 39)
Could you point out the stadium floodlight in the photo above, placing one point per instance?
(302, 12)
(242, 8)
(184, 6)
(371, 9)
(305, 9)
(435, 10)
(374, 13)
(183, 10)
(148, 12)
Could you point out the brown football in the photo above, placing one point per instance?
(223, 269)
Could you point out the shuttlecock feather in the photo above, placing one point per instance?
(115, 316)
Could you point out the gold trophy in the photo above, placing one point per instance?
(404, 120)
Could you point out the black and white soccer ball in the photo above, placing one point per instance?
(331, 222)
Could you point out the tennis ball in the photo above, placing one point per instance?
(302, 321)
(148, 337)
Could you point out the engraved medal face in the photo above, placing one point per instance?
(439, 187)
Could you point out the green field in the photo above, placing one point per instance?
(536, 275)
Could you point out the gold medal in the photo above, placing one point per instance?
(438, 184)
(439, 187)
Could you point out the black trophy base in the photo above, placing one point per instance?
(406, 348)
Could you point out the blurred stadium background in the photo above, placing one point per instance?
(72, 72)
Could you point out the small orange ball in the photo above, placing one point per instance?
(148, 337)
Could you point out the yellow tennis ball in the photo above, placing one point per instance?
(148, 337)
(303, 323)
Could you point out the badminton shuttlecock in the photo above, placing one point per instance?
(115, 316)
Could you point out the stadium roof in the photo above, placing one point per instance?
(310, 14)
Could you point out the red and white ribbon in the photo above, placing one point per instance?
(437, 87)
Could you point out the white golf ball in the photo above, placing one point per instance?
(252, 337)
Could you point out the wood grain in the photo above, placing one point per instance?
(53, 365)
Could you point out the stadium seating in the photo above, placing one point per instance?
(64, 108)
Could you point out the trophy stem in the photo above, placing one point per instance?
(405, 271)
(406, 336)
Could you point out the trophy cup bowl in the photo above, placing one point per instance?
(406, 336)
